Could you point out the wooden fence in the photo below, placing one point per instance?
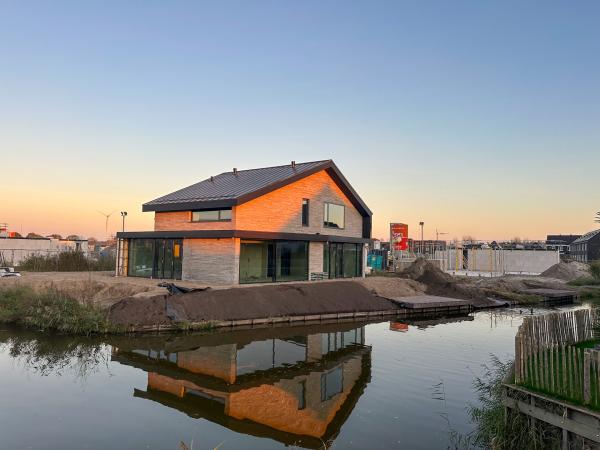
(547, 359)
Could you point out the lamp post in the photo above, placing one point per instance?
(123, 215)
(422, 224)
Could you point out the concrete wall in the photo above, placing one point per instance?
(501, 261)
(14, 250)
(211, 261)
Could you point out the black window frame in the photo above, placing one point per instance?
(326, 216)
(305, 212)
(219, 210)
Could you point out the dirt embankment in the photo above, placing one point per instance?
(567, 271)
(249, 303)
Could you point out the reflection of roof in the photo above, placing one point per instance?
(212, 409)
(234, 188)
(586, 237)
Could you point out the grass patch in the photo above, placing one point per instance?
(71, 261)
(585, 281)
(51, 311)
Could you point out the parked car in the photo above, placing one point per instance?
(8, 272)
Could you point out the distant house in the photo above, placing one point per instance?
(272, 224)
(15, 250)
(587, 247)
(561, 242)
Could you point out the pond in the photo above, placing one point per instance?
(343, 386)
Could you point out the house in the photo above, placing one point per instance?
(561, 242)
(297, 390)
(587, 247)
(286, 223)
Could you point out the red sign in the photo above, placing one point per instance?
(398, 236)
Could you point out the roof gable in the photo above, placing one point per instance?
(586, 237)
(234, 188)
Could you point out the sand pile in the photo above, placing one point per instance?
(393, 287)
(438, 282)
(249, 303)
(567, 271)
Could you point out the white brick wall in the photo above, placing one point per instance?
(211, 261)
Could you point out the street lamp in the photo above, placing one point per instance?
(422, 243)
(123, 215)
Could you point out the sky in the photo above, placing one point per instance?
(479, 118)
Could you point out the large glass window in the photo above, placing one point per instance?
(332, 383)
(155, 258)
(267, 261)
(291, 261)
(141, 258)
(342, 260)
(256, 261)
(213, 215)
(333, 215)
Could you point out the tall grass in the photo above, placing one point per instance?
(497, 429)
(51, 310)
(69, 261)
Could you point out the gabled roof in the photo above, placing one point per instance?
(234, 188)
(586, 237)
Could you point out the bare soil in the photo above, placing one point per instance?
(251, 303)
(568, 271)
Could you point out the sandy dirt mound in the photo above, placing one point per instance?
(250, 303)
(440, 283)
(393, 287)
(99, 287)
(567, 271)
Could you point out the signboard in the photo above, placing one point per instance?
(398, 237)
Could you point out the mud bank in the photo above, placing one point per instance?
(253, 303)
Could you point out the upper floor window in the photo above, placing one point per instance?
(305, 204)
(333, 215)
(213, 215)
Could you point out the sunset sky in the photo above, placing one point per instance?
(479, 118)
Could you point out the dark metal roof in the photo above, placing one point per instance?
(586, 237)
(242, 234)
(234, 188)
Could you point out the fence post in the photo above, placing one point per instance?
(586, 376)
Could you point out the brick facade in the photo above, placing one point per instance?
(211, 261)
(281, 210)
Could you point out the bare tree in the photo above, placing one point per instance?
(597, 219)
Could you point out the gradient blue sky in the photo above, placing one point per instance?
(480, 118)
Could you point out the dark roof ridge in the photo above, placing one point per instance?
(319, 161)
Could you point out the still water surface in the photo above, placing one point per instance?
(347, 386)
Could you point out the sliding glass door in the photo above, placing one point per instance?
(271, 261)
(155, 258)
(343, 260)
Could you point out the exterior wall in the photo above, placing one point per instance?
(500, 261)
(281, 210)
(14, 250)
(315, 257)
(211, 261)
(182, 220)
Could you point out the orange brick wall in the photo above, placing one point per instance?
(281, 210)
(182, 220)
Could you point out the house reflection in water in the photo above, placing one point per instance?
(297, 389)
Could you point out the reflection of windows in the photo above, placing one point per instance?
(215, 215)
(302, 394)
(333, 215)
(331, 342)
(332, 383)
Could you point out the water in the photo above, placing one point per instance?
(350, 386)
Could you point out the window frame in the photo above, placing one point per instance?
(326, 215)
(219, 211)
(305, 216)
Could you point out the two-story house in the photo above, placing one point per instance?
(284, 223)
